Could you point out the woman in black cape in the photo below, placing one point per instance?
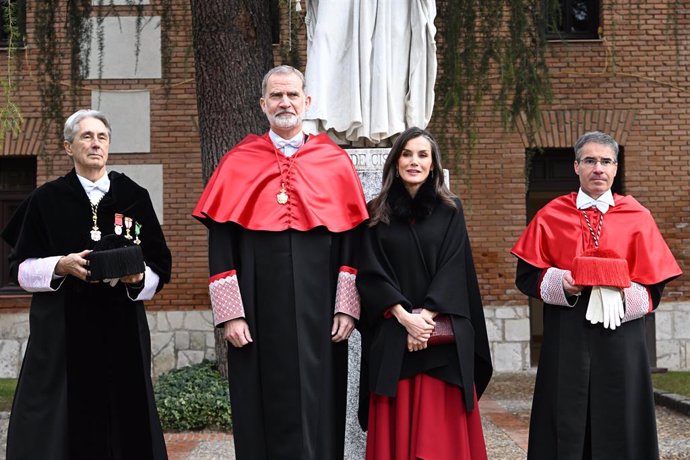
(425, 355)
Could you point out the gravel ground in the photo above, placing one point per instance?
(513, 392)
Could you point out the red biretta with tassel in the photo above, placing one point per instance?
(601, 267)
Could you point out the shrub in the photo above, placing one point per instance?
(193, 398)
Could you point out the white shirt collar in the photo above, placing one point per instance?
(95, 190)
(287, 146)
(602, 203)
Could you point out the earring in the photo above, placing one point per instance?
(397, 174)
(432, 174)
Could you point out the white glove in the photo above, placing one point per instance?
(595, 307)
(613, 306)
(111, 281)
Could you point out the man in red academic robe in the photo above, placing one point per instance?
(593, 395)
(282, 211)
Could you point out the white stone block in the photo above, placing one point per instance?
(517, 330)
(197, 340)
(162, 322)
(164, 357)
(681, 325)
(197, 321)
(14, 325)
(188, 357)
(119, 57)
(678, 306)
(506, 313)
(210, 340)
(161, 340)
(664, 325)
(181, 340)
(207, 315)
(9, 359)
(152, 320)
(175, 319)
(494, 330)
(508, 356)
(668, 354)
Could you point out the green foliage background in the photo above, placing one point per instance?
(193, 398)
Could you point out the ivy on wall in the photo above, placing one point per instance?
(10, 116)
(493, 48)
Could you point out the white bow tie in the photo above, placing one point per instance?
(600, 205)
(294, 143)
(95, 187)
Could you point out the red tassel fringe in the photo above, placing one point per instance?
(601, 267)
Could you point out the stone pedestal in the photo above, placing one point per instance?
(369, 165)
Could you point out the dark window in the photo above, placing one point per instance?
(17, 180)
(19, 18)
(274, 13)
(552, 174)
(572, 19)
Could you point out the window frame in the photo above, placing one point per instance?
(10, 199)
(562, 33)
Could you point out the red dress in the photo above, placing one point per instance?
(426, 420)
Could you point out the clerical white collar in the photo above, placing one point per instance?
(602, 203)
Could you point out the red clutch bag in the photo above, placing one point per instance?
(443, 331)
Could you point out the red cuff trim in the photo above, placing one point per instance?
(221, 276)
(345, 268)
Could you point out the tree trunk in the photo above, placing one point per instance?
(232, 52)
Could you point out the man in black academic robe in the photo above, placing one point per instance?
(282, 212)
(85, 389)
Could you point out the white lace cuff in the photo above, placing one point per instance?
(346, 295)
(637, 302)
(226, 300)
(551, 289)
(35, 275)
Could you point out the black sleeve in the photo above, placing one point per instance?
(527, 278)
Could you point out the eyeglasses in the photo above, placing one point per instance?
(592, 162)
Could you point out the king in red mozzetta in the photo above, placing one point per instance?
(283, 212)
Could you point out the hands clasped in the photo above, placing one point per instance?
(419, 327)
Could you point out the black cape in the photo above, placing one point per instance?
(593, 395)
(421, 258)
(85, 390)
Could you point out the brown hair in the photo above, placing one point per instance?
(379, 209)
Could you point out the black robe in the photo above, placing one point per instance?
(422, 258)
(85, 389)
(593, 396)
(287, 387)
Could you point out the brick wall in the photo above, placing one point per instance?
(636, 70)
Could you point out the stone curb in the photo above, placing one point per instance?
(673, 401)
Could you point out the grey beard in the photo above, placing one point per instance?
(287, 122)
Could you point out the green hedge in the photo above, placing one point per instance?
(193, 398)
